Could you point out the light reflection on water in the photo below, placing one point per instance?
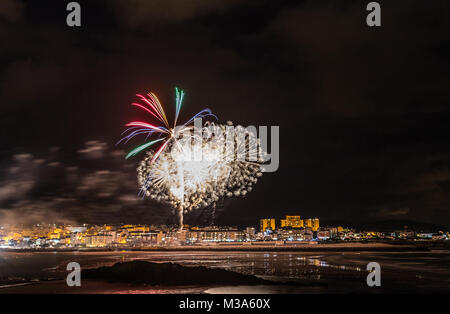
(290, 265)
(339, 270)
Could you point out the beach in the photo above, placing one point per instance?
(402, 271)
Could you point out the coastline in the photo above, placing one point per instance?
(314, 272)
(259, 247)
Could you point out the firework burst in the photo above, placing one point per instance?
(194, 166)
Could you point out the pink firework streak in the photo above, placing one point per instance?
(152, 106)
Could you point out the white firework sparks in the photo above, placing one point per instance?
(195, 167)
(185, 183)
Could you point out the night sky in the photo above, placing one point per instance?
(364, 112)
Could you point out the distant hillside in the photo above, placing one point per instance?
(390, 225)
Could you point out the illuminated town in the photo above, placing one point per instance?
(291, 230)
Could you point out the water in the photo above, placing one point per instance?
(313, 272)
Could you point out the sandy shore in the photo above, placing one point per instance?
(314, 272)
(272, 246)
(95, 287)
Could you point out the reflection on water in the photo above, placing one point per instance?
(335, 271)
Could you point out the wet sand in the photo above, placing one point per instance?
(316, 272)
(260, 246)
(96, 287)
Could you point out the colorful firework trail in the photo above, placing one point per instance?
(194, 167)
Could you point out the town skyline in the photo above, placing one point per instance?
(290, 230)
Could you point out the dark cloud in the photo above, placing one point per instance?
(141, 14)
(94, 150)
(20, 178)
(11, 11)
(363, 113)
(384, 212)
(101, 189)
(358, 67)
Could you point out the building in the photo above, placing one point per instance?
(308, 234)
(175, 237)
(102, 239)
(323, 235)
(425, 235)
(292, 222)
(312, 223)
(308, 223)
(250, 233)
(315, 224)
(215, 234)
(144, 238)
(77, 229)
(291, 234)
(267, 224)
